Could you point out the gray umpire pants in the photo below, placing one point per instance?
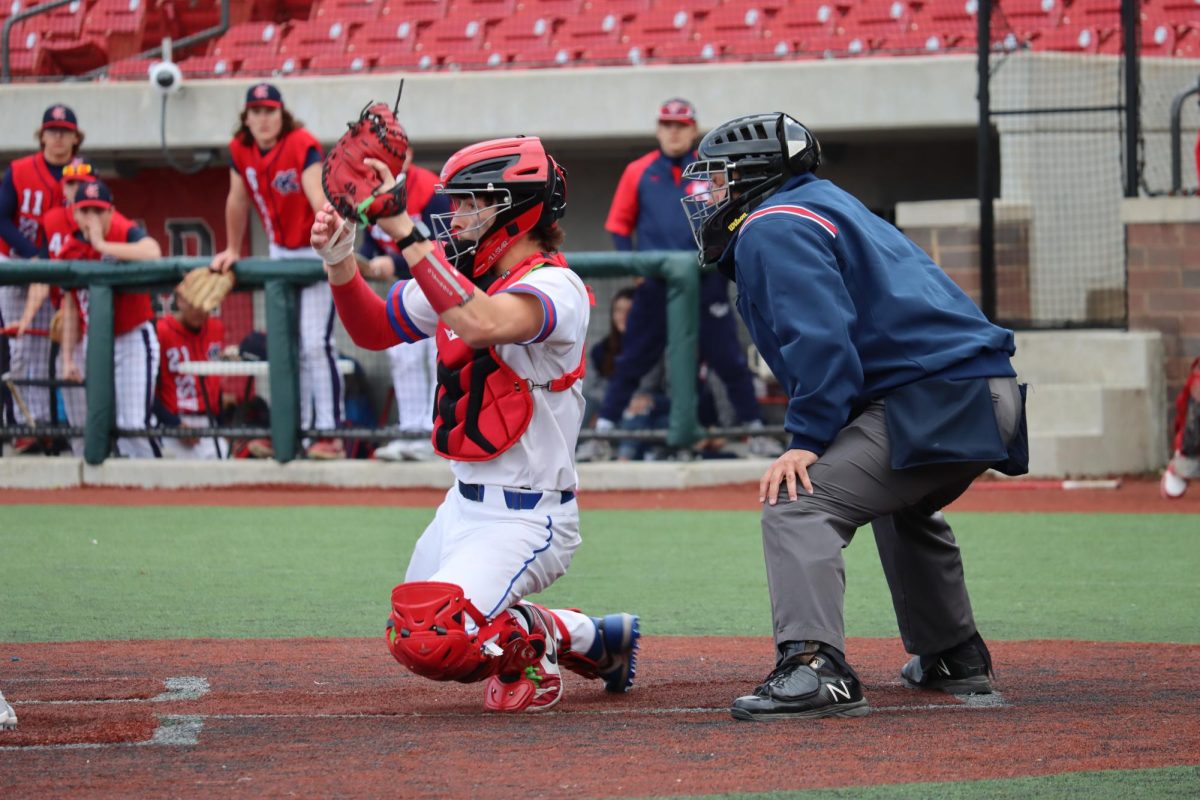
(853, 484)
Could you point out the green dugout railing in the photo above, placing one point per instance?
(280, 280)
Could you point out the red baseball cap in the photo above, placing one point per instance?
(677, 110)
(94, 195)
(264, 94)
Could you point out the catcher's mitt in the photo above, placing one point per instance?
(205, 289)
(351, 186)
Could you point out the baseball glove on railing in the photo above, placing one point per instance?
(205, 289)
(353, 187)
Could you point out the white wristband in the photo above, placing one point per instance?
(341, 245)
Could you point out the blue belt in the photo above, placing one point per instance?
(516, 500)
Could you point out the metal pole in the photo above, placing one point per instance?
(987, 237)
(1130, 22)
(1177, 138)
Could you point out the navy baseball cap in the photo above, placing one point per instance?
(94, 195)
(677, 110)
(60, 116)
(263, 94)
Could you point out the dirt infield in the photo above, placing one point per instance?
(338, 717)
(1133, 497)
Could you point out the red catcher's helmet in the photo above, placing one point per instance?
(524, 184)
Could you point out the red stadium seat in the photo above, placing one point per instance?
(736, 21)
(395, 35)
(685, 52)
(206, 67)
(197, 15)
(118, 24)
(522, 31)
(131, 69)
(477, 60)
(452, 35)
(1028, 18)
(625, 9)
(674, 22)
(26, 55)
(758, 49)
(559, 9)
(292, 9)
(807, 20)
(613, 54)
(323, 36)
(590, 29)
(339, 64)
(273, 64)
(880, 17)
(548, 56)
(348, 11)
(1071, 40)
(1159, 40)
(249, 39)
(62, 23)
(412, 11)
(393, 61)
(951, 18)
(485, 9)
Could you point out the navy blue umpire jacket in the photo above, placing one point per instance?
(846, 309)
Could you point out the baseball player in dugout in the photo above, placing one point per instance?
(508, 318)
(901, 393)
(103, 234)
(277, 169)
(645, 215)
(188, 334)
(31, 187)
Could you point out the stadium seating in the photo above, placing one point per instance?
(331, 36)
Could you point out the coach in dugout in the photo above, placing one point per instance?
(645, 215)
(901, 393)
(31, 187)
(277, 169)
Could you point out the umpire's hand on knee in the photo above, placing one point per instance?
(791, 467)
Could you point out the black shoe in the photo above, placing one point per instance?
(964, 669)
(804, 687)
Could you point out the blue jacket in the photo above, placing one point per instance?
(646, 203)
(846, 309)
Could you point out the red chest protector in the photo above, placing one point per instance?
(483, 406)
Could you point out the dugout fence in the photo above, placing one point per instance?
(269, 291)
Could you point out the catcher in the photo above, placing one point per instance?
(509, 320)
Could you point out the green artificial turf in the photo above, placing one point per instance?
(1164, 784)
(88, 573)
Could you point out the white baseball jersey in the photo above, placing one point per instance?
(321, 389)
(544, 456)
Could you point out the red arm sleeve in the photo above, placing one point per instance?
(623, 213)
(364, 314)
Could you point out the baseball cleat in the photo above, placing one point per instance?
(613, 655)
(8, 717)
(963, 669)
(534, 687)
(803, 687)
(1172, 486)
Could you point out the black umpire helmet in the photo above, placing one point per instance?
(744, 161)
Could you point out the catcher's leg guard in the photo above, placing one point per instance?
(426, 632)
(530, 679)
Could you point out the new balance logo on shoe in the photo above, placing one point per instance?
(942, 667)
(838, 695)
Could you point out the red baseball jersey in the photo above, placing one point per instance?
(273, 180)
(180, 394)
(38, 191)
(130, 309)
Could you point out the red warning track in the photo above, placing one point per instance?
(1133, 497)
(338, 717)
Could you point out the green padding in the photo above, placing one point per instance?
(101, 398)
(283, 351)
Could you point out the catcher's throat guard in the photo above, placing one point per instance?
(427, 633)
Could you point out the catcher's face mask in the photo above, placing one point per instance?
(470, 219)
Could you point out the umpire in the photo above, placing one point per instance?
(901, 394)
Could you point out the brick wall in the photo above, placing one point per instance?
(1163, 260)
(955, 248)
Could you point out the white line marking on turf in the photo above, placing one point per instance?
(188, 687)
